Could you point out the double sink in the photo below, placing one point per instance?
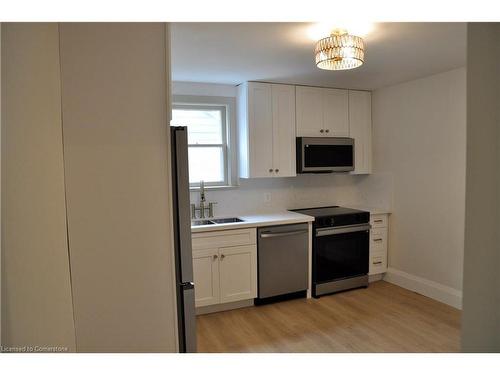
(216, 221)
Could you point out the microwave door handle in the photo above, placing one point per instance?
(341, 230)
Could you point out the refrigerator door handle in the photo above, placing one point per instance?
(187, 285)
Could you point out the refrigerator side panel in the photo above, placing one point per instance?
(182, 230)
(184, 219)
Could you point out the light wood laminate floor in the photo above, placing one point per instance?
(381, 318)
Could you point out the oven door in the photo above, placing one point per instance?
(340, 253)
(322, 155)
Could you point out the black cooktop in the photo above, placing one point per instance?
(334, 216)
(328, 211)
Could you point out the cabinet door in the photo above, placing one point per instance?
(360, 123)
(206, 277)
(309, 101)
(283, 105)
(238, 273)
(260, 123)
(335, 113)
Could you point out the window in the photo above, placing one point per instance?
(208, 141)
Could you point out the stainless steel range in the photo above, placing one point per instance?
(341, 240)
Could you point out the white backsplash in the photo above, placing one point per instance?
(252, 196)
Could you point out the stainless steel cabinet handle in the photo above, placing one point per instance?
(281, 234)
(215, 257)
(222, 256)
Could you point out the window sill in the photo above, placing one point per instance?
(224, 187)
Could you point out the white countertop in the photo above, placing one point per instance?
(253, 221)
(371, 210)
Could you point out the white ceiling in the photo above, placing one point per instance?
(232, 53)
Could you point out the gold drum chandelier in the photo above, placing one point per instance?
(339, 51)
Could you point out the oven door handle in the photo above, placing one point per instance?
(341, 230)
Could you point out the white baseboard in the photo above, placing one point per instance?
(428, 288)
(377, 277)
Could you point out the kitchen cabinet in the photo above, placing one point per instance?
(206, 276)
(237, 273)
(360, 128)
(224, 266)
(322, 112)
(378, 243)
(266, 130)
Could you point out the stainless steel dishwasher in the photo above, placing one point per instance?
(282, 262)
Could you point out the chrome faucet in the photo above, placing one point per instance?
(202, 199)
(202, 206)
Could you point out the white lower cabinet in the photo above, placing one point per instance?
(224, 266)
(378, 244)
(206, 276)
(238, 273)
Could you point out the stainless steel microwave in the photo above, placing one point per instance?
(325, 154)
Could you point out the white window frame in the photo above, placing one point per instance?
(227, 106)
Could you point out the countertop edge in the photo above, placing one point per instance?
(256, 221)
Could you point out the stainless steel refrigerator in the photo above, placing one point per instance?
(182, 237)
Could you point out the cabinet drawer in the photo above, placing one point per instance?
(378, 240)
(224, 238)
(378, 263)
(378, 221)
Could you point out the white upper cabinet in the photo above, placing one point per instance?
(266, 130)
(322, 112)
(360, 128)
(309, 111)
(283, 99)
(336, 112)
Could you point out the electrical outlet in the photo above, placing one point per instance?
(267, 198)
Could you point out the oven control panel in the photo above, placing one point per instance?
(341, 220)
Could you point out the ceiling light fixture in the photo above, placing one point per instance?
(340, 51)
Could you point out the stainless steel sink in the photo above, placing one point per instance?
(216, 221)
(227, 220)
(201, 222)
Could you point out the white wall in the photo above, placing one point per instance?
(481, 314)
(115, 95)
(1, 243)
(419, 138)
(286, 193)
(203, 89)
(296, 192)
(36, 296)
